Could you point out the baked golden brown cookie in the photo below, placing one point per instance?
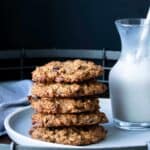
(68, 90)
(70, 135)
(64, 105)
(57, 120)
(68, 71)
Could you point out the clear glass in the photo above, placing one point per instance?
(129, 79)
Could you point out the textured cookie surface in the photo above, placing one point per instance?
(59, 120)
(71, 135)
(68, 90)
(68, 71)
(66, 105)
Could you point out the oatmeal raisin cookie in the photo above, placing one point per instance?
(71, 135)
(89, 88)
(67, 71)
(64, 105)
(57, 120)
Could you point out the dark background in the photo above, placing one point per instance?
(77, 24)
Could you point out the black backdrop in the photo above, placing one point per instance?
(87, 24)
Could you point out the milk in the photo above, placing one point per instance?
(130, 90)
(129, 79)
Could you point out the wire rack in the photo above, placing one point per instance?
(18, 64)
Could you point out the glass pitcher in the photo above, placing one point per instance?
(129, 79)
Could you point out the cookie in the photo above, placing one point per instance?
(68, 90)
(67, 71)
(71, 135)
(66, 105)
(59, 120)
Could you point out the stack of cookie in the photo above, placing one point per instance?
(65, 100)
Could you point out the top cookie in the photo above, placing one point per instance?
(67, 71)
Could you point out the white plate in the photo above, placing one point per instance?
(18, 125)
